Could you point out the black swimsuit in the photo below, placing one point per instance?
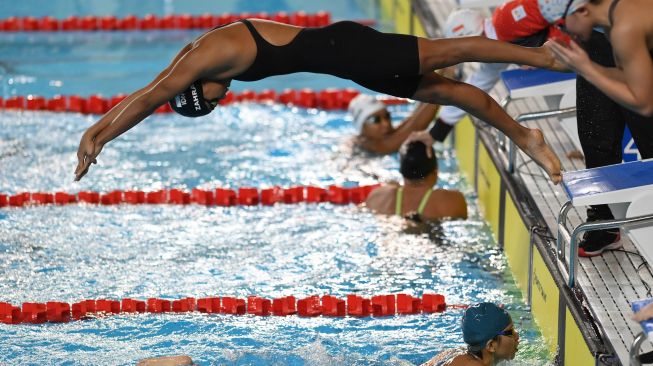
(384, 62)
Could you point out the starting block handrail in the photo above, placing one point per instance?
(509, 160)
(562, 113)
(635, 347)
(587, 226)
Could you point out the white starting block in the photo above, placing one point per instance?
(629, 184)
(537, 83)
(570, 124)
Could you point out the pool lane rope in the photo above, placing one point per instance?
(327, 99)
(90, 23)
(246, 196)
(312, 306)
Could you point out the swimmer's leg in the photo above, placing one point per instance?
(436, 54)
(436, 89)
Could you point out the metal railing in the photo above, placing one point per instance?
(635, 348)
(572, 238)
(512, 151)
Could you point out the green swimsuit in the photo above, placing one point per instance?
(422, 203)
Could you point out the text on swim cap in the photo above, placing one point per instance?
(196, 99)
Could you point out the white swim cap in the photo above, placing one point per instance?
(554, 10)
(362, 107)
(464, 23)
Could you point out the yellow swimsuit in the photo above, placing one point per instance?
(422, 203)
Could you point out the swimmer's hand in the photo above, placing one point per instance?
(566, 56)
(87, 153)
(424, 136)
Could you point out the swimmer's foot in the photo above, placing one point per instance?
(535, 147)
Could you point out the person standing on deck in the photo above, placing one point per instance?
(614, 88)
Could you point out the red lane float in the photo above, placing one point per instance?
(209, 305)
(132, 306)
(219, 197)
(284, 306)
(154, 22)
(309, 307)
(327, 99)
(312, 306)
(258, 306)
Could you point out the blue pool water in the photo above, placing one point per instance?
(77, 252)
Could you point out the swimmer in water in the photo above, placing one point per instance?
(376, 133)
(489, 334)
(417, 199)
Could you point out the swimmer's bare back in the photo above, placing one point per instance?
(232, 48)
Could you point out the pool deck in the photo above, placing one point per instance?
(606, 285)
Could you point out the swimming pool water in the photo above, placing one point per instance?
(76, 252)
(46, 63)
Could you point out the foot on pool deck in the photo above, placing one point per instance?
(541, 153)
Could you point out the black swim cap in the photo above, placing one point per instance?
(414, 164)
(191, 102)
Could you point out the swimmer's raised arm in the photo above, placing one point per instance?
(420, 119)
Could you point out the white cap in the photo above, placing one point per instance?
(362, 107)
(553, 10)
(464, 23)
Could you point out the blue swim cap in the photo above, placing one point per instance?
(191, 103)
(483, 322)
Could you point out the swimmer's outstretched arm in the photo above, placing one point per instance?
(88, 138)
(193, 65)
(113, 113)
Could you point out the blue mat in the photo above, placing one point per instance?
(608, 178)
(519, 79)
